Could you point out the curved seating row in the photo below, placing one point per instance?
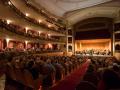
(41, 71)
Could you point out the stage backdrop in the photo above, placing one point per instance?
(98, 44)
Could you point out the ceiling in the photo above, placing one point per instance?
(60, 7)
(77, 10)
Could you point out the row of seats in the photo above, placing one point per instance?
(102, 74)
(41, 71)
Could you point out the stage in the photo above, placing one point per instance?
(79, 55)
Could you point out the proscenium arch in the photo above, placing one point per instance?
(79, 15)
(99, 21)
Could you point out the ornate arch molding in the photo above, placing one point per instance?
(79, 15)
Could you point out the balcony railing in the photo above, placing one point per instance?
(21, 31)
(14, 53)
(22, 15)
(58, 22)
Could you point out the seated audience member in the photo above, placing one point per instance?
(33, 69)
(91, 75)
(110, 80)
(85, 85)
(48, 70)
(59, 70)
(116, 68)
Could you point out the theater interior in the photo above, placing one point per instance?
(60, 45)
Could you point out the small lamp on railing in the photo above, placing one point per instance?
(26, 14)
(26, 29)
(49, 35)
(8, 21)
(42, 11)
(9, 3)
(40, 21)
(39, 33)
(26, 42)
(49, 25)
(50, 45)
(7, 40)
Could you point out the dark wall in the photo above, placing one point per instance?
(96, 34)
(93, 28)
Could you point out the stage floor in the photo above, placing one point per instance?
(93, 55)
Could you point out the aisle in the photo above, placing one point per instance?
(71, 81)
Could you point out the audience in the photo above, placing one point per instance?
(44, 25)
(30, 33)
(104, 73)
(110, 80)
(46, 69)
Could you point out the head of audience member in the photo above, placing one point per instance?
(90, 69)
(48, 61)
(111, 79)
(116, 68)
(30, 64)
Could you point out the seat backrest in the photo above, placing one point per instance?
(20, 76)
(85, 85)
(11, 72)
(28, 78)
(91, 77)
(115, 89)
